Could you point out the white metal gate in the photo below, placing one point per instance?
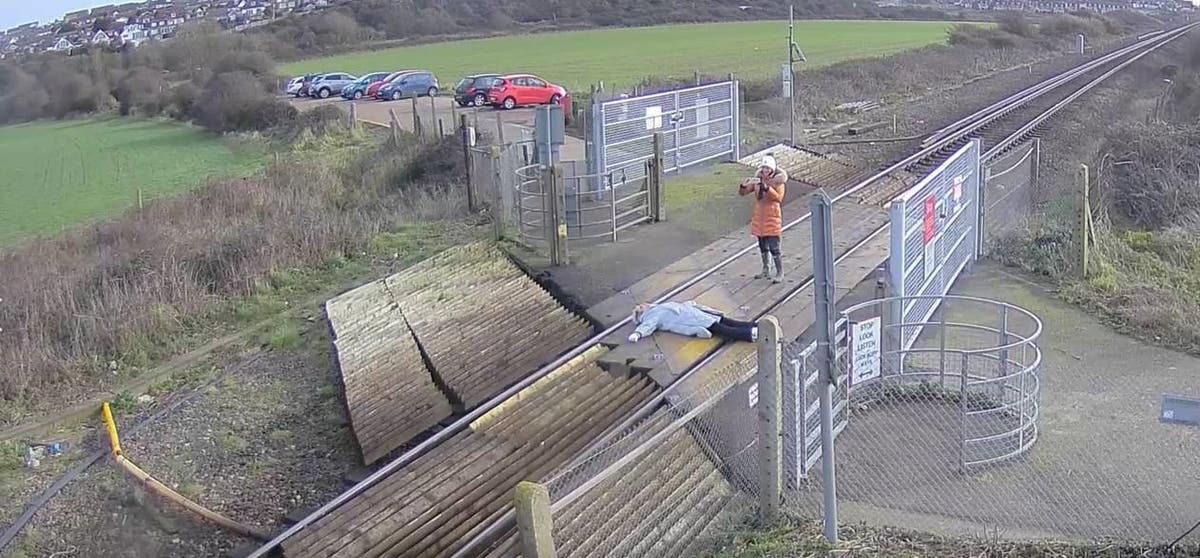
(697, 124)
(933, 237)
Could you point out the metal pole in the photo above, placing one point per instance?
(823, 293)
(792, 73)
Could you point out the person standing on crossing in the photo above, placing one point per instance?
(766, 221)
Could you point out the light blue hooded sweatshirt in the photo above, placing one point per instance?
(685, 318)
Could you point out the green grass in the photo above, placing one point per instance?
(64, 173)
(625, 56)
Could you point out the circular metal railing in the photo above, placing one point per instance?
(975, 361)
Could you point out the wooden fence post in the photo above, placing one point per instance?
(498, 209)
(416, 118)
(770, 418)
(534, 520)
(433, 109)
(395, 122)
(353, 116)
(556, 229)
(465, 138)
(658, 211)
(1085, 217)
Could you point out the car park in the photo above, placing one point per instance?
(305, 83)
(328, 84)
(472, 90)
(292, 87)
(373, 89)
(358, 89)
(519, 90)
(417, 83)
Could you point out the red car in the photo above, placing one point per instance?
(518, 90)
(374, 87)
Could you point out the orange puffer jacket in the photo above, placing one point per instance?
(767, 219)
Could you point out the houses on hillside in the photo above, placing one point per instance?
(132, 23)
(1066, 6)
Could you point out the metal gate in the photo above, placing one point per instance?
(697, 124)
(933, 237)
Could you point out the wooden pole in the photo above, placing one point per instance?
(1085, 214)
(433, 108)
(658, 210)
(498, 209)
(499, 129)
(534, 520)
(770, 418)
(465, 138)
(416, 118)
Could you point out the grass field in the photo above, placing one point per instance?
(623, 56)
(63, 173)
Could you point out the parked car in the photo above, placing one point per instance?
(412, 84)
(358, 89)
(518, 90)
(306, 82)
(292, 87)
(373, 89)
(472, 90)
(328, 84)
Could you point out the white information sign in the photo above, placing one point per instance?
(654, 118)
(865, 349)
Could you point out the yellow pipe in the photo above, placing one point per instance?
(165, 491)
(111, 425)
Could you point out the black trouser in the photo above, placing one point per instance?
(732, 329)
(769, 244)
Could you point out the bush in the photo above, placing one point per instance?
(1015, 23)
(237, 101)
(142, 278)
(141, 93)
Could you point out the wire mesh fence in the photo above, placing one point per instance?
(965, 433)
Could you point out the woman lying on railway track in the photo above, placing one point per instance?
(766, 222)
(689, 318)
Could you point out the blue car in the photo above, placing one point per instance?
(413, 84)
(358, 89)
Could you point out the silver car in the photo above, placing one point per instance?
(293, 86)
(330, 84)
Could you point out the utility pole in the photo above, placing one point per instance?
(794, 55)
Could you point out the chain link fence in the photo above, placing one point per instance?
(1009, 192)
(965, 433)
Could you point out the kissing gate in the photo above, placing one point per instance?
(969, 367)
(697, 124)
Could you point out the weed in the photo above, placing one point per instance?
(229, 442)
(12, 454)
(191, 490)
(284, 335)
(123, 404)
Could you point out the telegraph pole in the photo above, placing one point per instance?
(794, 55)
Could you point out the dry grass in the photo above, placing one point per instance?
(126, 290)
(797, 537)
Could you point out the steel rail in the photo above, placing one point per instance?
(464, 422)
(997, 109)
(507, 521)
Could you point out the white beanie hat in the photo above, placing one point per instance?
(769, 162)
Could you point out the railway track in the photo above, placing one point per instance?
(449, 495)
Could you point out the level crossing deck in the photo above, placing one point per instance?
(734, 290)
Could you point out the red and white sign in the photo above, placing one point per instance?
(930, 220)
